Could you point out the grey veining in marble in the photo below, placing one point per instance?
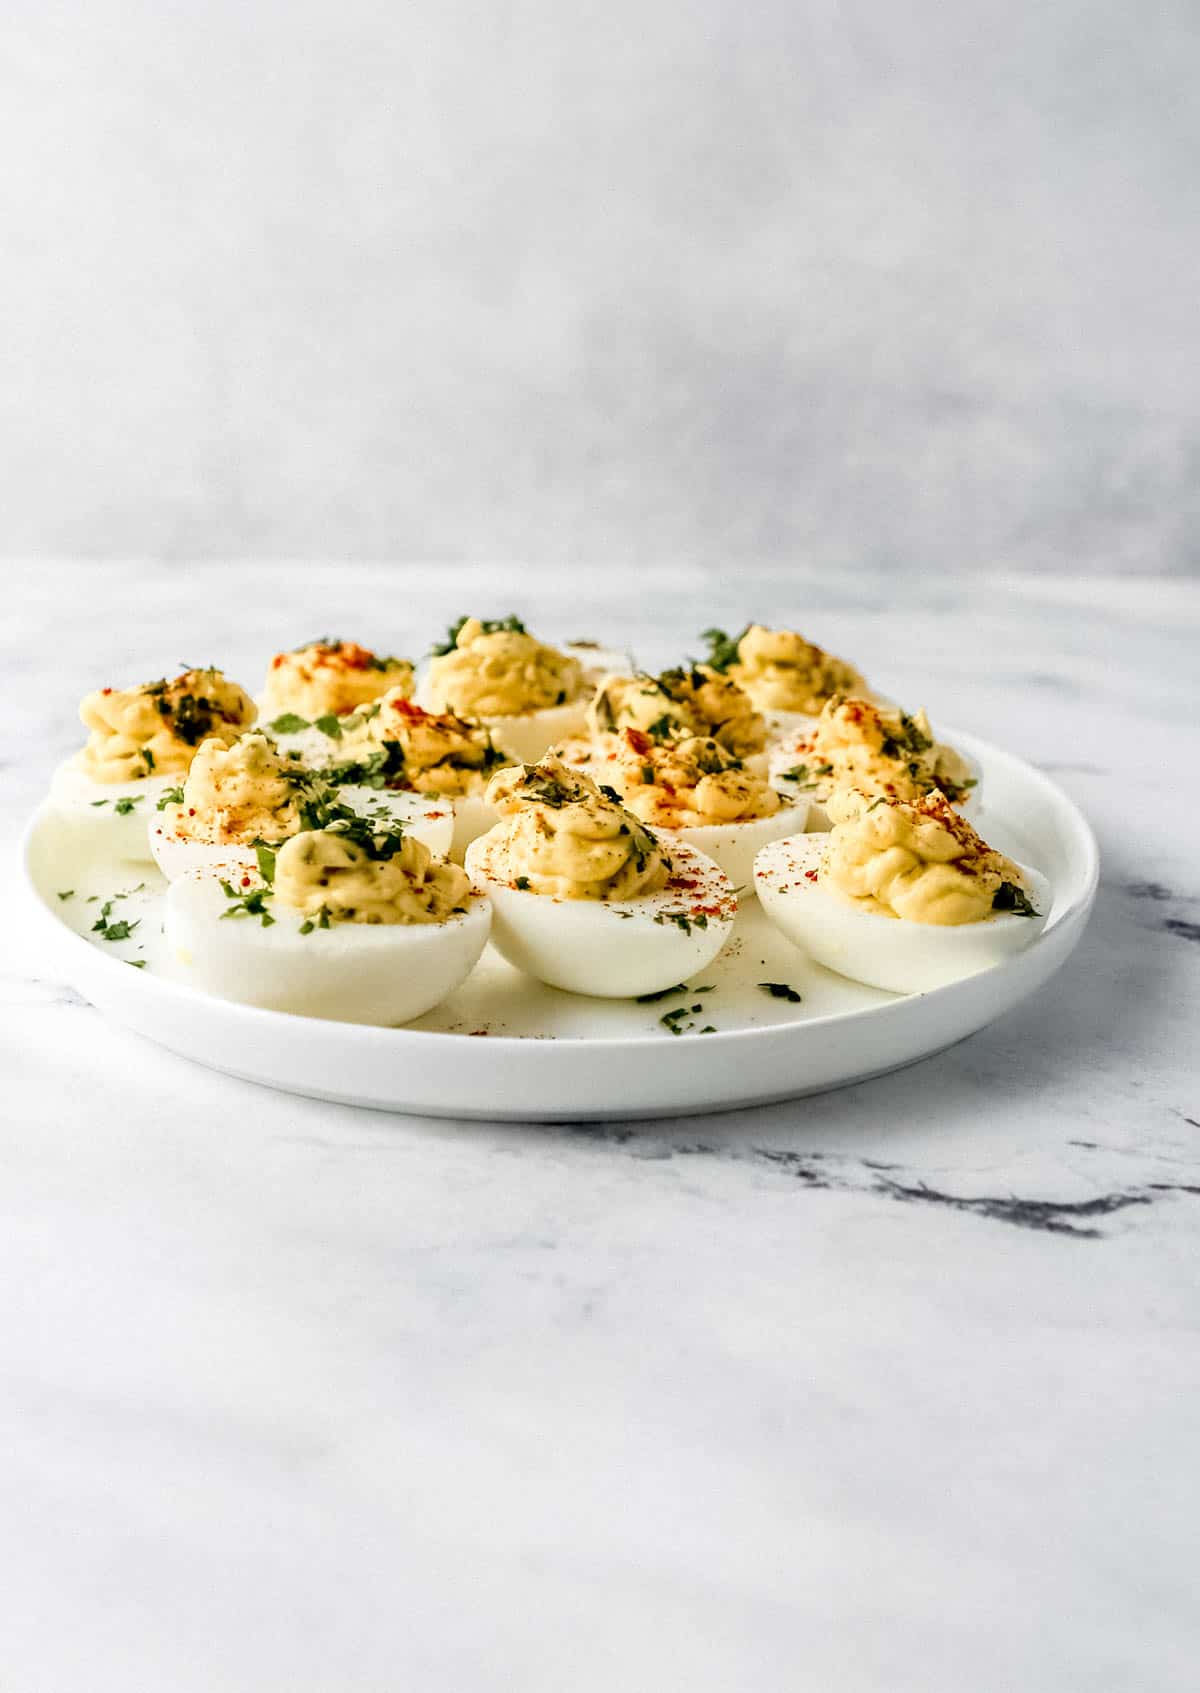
(892, 1389)
(911, 285)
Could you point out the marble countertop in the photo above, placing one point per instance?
(301, 1397)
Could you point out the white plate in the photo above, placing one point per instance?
(506, 1047)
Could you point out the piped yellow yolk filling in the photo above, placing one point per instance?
(781, 671)
(433, 752)
(693, 701)
(243, 792)
(922, 862)
(154, 730)
(559, 835)
(502, 673)
(682, 783)
(322, 873)
(331, 678)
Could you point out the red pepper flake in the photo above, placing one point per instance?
(191, 810)
(810, 875)
(480, 1031)
(348, 654)
(640, 743)
(245, 881)
(106, 690)
(409, 709)
(279, 659)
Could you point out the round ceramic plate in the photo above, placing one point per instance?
(504, 1046)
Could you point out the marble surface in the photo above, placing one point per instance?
(891, 1389)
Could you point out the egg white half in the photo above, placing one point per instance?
(428, 820)
(526, 735)
(89, 809)
(383, 974)
(883, 952)
(734, 846)
(613, 949)
(473, 817)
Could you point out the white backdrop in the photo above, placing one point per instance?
(911, 285)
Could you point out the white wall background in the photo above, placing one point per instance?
(914, 284)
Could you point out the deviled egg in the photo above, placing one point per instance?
(902, 896)
(690, 788)
(787, 677)
(399, 746)
(585, 897)
(526, 694)
(239, 798)
(876, 749)
(688, 699)
(140, 741)
(325, 680)
(344, 923)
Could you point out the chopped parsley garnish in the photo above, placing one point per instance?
(549, 790)
(125, 804)
(379, 837)
(193, 717)
(909, 739)
(322, 922)
(330, 724)
(119, 931)
(676, 681)
(266, 861)
(602, 709)
(374, 770)
(490, 625)
(147, 757)
(1010, 896)
(673, 1021)
(252, 904)
(662, 728)
(288, 723)
(722, 648)
(66, 893)
(136, 963)
(663, 993)
(781, 990)
(173, 796)
(804, 774)
(682, 921)
(522, 882)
